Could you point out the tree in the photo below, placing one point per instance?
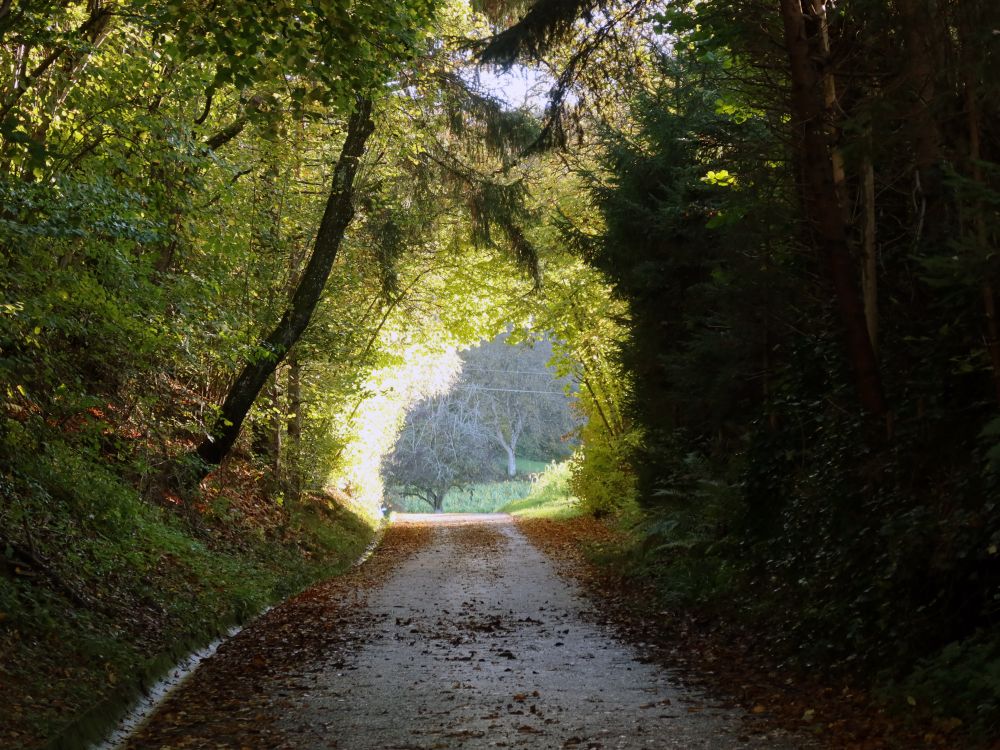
(517, 397)
(778, 189)
(440, 447)
(275, 346)
(813, 109)
(504, 397)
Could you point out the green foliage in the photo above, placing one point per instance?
(550, 496)
(963, 679)
(161, 180)
(545, 22)
(107, 586)
(849, 544)
(682, 543)
(602, 474)
(75, 293)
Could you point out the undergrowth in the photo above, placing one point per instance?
(101, 590)
(550, 496)
(841, 562)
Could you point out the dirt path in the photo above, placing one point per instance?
(459, 634)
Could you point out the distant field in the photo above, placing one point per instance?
(547, 497)
(527, 466)
(476, 498)
(484, 497)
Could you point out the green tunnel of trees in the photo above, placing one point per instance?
(236, 238)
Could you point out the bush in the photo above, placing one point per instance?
(550, 495)
(962, 680)
(601, 473)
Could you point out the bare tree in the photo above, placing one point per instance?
(518, 397)
(506, 397)
(441, 447)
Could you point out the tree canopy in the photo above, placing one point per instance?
(247, 246)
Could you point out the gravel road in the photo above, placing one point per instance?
(467, 639)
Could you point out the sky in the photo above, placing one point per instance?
(521, 85)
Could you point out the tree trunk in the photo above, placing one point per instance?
(90, 31)
(869, 261)
(274, 431)
(921, 35)
(919, 42)
(510, 446)
(511, 462)
(336, 217)
(293, 427)
(597, 402)
(73, 69)
(823, 212)
(974, 125)
(831, 106)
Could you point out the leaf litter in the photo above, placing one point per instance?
(458, 633)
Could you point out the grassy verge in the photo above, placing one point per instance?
(685, 602)
(549, 497)
(102, 592)
(722, 656)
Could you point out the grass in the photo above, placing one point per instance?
(529, 466)
(549, 497)
(106, 591)
(485, 497)
(482, 497)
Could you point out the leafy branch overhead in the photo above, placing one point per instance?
(545, 23)
(742, 254)
(475, 158)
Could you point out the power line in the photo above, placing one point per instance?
(507, 390)
(551, 374)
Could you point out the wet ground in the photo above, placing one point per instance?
(458, 634)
